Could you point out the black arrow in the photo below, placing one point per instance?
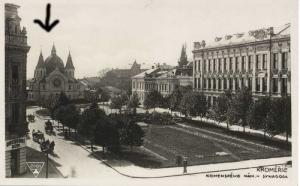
(47, 27)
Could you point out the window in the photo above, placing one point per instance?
(275, 85)
(195, 83)
(264, 84)
(16, 29)
(15, 75)
(204, 83)
(225, 64)
(243, 62)
(209, 65)
(250, 83)
(15, 112)
(236, 84)
(275, 61)
(209, 101)
(237, 63)
(225, 84)
(258, 62)
(209, 84)
(44, 87)
(204, 65)
(220, 84)
(220, 64)
(215, 65)
(199, 65)
(69, 87)
(284, 85)
(257, 84)
(284, 60)
(230, 84)
(199, 83)
(69, 96)
(230, 63)
(264, 61)
(250, 62)
(214, 83)
(242, 82)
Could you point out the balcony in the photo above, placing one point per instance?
(16, 39)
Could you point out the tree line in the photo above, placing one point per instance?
(94, 124)
(272, 115)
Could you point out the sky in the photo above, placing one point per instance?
(112, 34)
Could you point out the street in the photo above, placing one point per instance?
(70, 159)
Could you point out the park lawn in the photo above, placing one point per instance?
(204, 147)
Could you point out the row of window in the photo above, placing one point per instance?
(211, 83)
(40, 72)
(159, 87)
(31, 96)
(261, 59)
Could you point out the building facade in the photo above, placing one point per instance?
(16, 126)
(128, 73)
(259, 59)
(51, 76)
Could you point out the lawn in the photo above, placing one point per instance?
(205, 144)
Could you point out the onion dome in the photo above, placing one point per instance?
(54, 61)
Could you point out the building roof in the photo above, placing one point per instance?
(246, 37)
(141, 75)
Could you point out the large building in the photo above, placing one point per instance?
(128, 73)
(16, 126)
(259, 59)
(163, 78)
(51, 76)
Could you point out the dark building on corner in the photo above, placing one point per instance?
(16, 126)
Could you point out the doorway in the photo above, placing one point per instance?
(14, 162)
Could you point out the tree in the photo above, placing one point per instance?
(41, 100)
(258, 115)
(279, 117)
(119, 101)
(63, 99)
(153, 99)
(165, 103)
(175, 99)
(220, 108)
(52, 103)
(90, 119)
(107, 135)
(71, 117)
(239, 107)
(132, 135)
(194, 103)
(59, 115)
(134, 102)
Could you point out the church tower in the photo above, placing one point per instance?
(40, 69)
(183, 58)
(69, 69)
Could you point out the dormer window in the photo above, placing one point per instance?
(227, 37)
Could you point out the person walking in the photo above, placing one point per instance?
(185, 165)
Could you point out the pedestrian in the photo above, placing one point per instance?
(185, 165)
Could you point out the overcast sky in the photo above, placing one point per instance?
(112, 34)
